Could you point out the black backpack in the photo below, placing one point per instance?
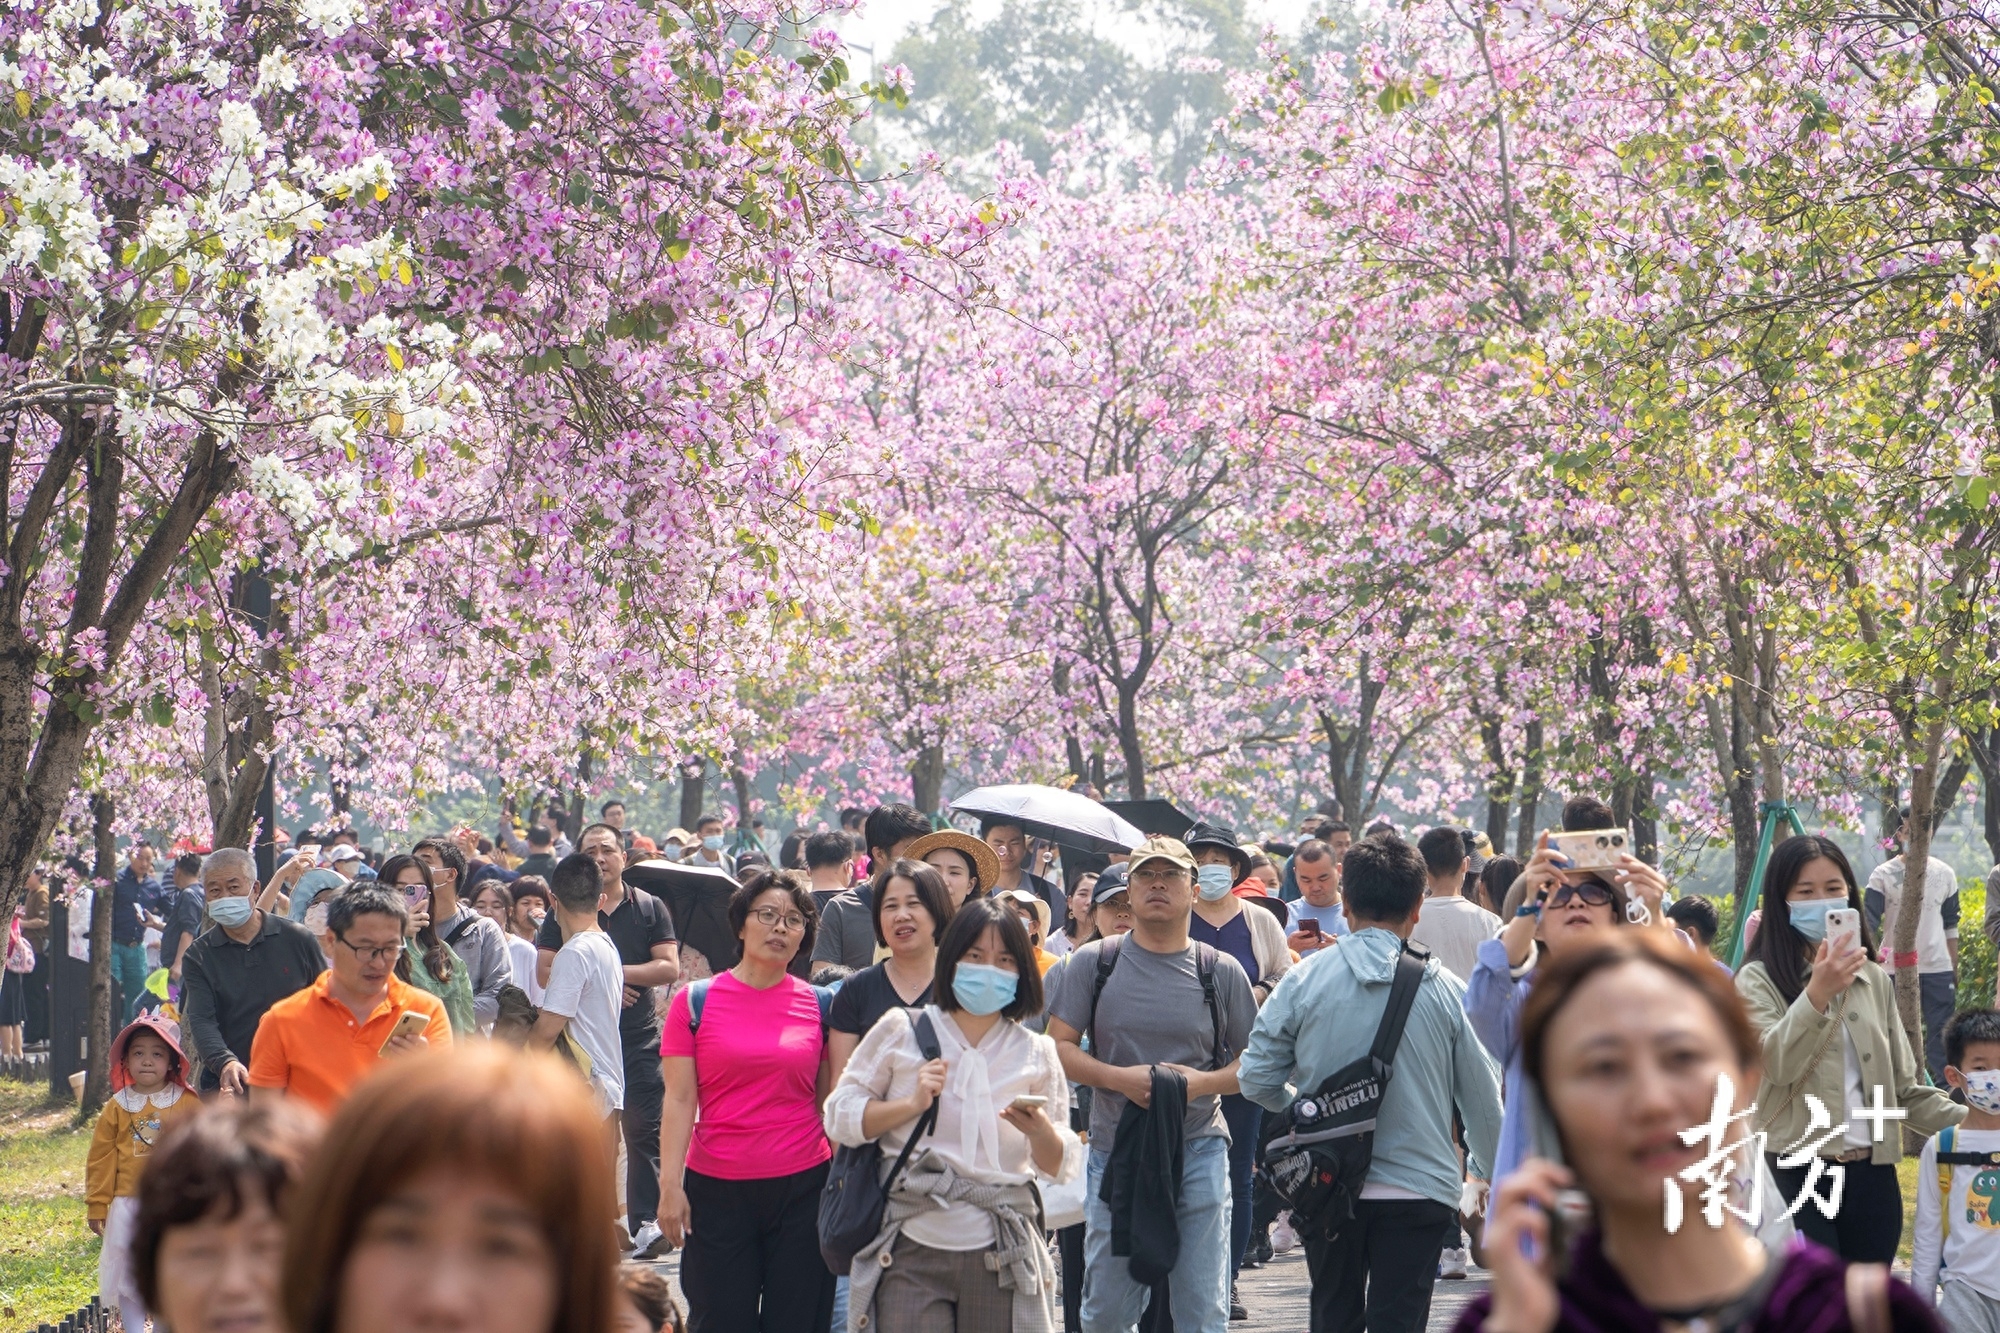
(1316, 1151)
(855, 1194)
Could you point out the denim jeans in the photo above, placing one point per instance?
(1112, 1301)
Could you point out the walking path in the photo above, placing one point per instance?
(1277, 1295)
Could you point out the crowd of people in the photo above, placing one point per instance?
(950, 1083)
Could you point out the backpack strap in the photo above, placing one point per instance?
(1107, 958)
(697, 997)
(1204, 968)
(1946, 1137)
(1410, 966)
(457, 932)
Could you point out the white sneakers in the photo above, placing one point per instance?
(1452, 1263)
(1283, 1239)
(650, 1242)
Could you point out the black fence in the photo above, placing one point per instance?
(59, 1010)
(92, 1318)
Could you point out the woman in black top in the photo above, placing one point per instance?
(911, 908)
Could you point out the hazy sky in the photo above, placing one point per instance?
(880, 22)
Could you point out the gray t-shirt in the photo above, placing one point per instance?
(1152, 1012)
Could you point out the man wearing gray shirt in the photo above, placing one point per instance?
(1154, 1010)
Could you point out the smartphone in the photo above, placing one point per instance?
(1590, 849)
(310, 851)
(1843, 930)
(1028, 1100)
(1310, 925)
(411, 1024)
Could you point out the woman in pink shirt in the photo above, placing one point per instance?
(740, 1184)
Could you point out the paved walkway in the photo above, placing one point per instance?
(1276, 1295)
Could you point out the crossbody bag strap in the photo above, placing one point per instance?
(1204, 969)
(1839, 1016)
(1107, 958)
(1402, 996)
(927, 1046)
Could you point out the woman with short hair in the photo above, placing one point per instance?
(910, 907)
(1628, 1039)
(742, 1155)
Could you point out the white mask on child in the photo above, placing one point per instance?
(1982, 1090)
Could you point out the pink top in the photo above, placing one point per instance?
(756, 1078)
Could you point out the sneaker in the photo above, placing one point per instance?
(1237, 1311)
(1451, 1264)
(1283, 1239)
(651, 1242)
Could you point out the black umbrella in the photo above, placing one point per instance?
(697, 897)
(1154, 817)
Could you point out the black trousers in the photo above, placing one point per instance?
(1069, 1244)
(1377, 1274)
(752, 1262)
(37, 1026)
(645, 1095)
(1870, 1221)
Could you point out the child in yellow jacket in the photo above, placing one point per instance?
(149, 1092)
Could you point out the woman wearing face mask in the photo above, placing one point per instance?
(428, 962)
(1829, 1025)
(910, 914)
(1256, 939)
(966, 1206)
(530, 908)
(1627, 1038)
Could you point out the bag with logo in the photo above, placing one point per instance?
(1317, 1150)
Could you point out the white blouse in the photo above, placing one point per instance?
(970, 1136)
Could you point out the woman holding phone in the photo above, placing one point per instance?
(428, 962)
(1827, 1015)
(1628, 1039)
(967, 1205)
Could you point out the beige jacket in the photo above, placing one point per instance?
(1793, 1032)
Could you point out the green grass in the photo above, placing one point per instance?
(48, 1258)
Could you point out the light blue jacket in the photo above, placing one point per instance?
(1494, 995)
(1323, 1015)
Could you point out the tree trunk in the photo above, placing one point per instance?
(1531, 788)
(740, 780)
(694, 779)
(104, 875)
(1916, 860)
(1500, 781)
(1129, 745)
(1645, 819)
(927, 775)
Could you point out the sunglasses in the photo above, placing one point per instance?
(1591, 892)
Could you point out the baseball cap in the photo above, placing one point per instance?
(1033, 902)
(1171, 850)
(1111, 882)
(342, 852)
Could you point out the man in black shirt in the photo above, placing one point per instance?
(643, 932)
(247, 962)
(181, 910)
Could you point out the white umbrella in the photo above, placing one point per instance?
(1050, 812)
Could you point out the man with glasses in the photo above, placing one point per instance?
(316, 1045)
(246, 962)
(643, 933)
(1162, 1001)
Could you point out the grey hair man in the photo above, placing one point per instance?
(244, 961)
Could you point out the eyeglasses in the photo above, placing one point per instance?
(1591, 892)
(772, 918)
(372, 955)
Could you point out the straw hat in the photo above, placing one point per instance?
(984, 863)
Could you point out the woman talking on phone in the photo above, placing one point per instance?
(1627, 1039)
(1830, 1031)
(966, 1206)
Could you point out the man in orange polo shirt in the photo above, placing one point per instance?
(316, 1045)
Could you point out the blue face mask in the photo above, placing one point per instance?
(981, 989)
(1214, 882)
(230, 912)
(713, 842)
(670, 853)
(1809, 918)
